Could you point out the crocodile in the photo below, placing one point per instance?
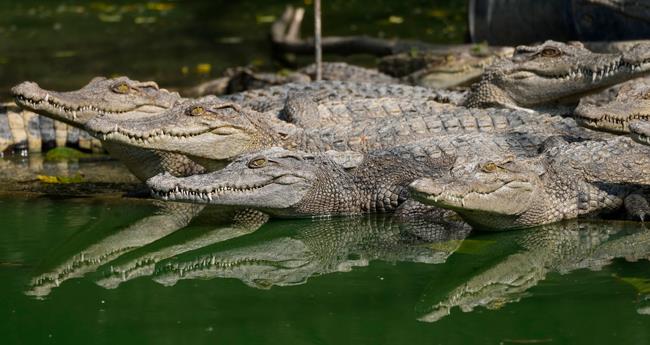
(457, 67)
(296, 184)
(240, 79)
(121, 97)
(319, 247)
(631, 103)
(531, 256)
(432, 69)
(274, 97)
(287, 182)
(212, 130)
(566, 181)
(224, 225)
(538, 75)
(101, 95)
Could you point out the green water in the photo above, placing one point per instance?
(108, 270)
(337, 281)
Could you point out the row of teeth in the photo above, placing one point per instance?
(449, 197)
(82, 261)
(614, 120)
(66, 109)
(141, 263)
(606, 71)
(209, 262)
(178, 193)
(124, 274)
(148, 137)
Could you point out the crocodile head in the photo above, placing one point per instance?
(551, 71)
(280, 262)
(100, 96)
(273, 180)
(489, 195)
(209, 128)
(632, 102)
(506, 282)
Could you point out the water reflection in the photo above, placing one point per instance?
(534, 253)
(318, 247)
(244, 245)
(154, 246)
(96, 247)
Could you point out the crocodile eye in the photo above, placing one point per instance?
(489, 167)
(196, 111)
(550, 52)
(122, 88)
(257, 162)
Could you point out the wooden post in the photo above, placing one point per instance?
(317, 40)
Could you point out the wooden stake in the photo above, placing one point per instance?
(317, 40)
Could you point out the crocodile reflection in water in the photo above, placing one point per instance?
(134, 251)
(320, 247)
(560, 248)
(83, 255)
(142, 261)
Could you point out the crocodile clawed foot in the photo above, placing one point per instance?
(637, 206)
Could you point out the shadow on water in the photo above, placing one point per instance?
(234, 275)
(63, 44)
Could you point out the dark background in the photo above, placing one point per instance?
(63, 44)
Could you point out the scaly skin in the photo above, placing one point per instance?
(308, 111)
(537, 75)
(319, 248)
(566, 181)
(297, 184)
(558, 248)
(632, 102)
(243, 79)
(209, 129)
(273, 97)
(294, 183)
(439, 70)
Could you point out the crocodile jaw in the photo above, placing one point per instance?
(614, 116)
(495, 205)
(77, 107)
(273, 194)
